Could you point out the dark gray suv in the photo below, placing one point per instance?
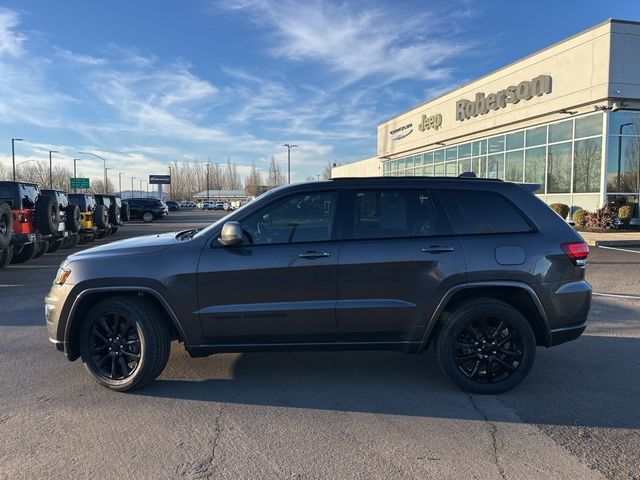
(482, 270)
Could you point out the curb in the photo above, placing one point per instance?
(617, 243)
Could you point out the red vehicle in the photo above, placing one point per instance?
(34, 220)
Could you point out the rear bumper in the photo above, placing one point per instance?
(20, 239)
(566, 334)
(567, 307)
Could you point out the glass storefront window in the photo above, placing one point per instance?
(464, 150)
(464, 165)
(438, 155)
(534, 166)
(560, 132)
(496, 144)
(408, 162)
(515, 140)
(417, 160)
(559, 168)
(624, 123)
(514, 170)
(587, 155)
(623, 164)
(428, 158)
(428, 170)
(479, 165)
(536, 136)
(451, 169)
(589, 126)
(439, 169)
(401, 164)
(495, 166)
(618, 201)
(452, 153)
(479, 148)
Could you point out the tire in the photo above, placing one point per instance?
(142, 333)
(55, 246)
(6, 225)
(47, 215)
(114, 214)
(101, 217)
(114, 230)
(147, 217)
(125, 212)
(25, 254)
(42, 247)
(6, 254)
(72, 220)
(468, 332)
(73, 241)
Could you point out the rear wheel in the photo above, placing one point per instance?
(485, 346)
(24, 254)
(147, 217)
(124, 343)
(42, 247)
(6, 225)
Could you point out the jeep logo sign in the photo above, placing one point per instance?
(465, 109)
(433, 122)
(398, 133)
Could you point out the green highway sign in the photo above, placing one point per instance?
(79, 183)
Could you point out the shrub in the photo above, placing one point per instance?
(603, 219)
(561, 209)
(625, 214)
(580, 218)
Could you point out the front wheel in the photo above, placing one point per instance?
(147, 217)
(485, 346)
(124, 343)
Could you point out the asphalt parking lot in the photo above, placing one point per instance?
(321, 415)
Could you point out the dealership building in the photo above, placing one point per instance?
(566, 117)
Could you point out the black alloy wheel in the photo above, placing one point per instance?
(488, 350)
(485, 345)
(114, 345)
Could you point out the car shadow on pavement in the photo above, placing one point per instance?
(592, 382)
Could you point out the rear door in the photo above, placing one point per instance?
(398, 258)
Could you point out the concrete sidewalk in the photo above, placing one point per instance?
(612, 239)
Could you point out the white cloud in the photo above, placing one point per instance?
(11, 41)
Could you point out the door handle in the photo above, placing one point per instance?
(312, 255)
(438, 249)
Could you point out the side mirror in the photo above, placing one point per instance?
(231, 234)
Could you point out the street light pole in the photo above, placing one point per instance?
(207, 165)
(75, 175)
(132, 179)
(289, 147)
(104, 163)
(120, 183)
(13, 155)
(51, 169)
(170, 188)
(106, 179)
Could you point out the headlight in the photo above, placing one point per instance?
(62, 275)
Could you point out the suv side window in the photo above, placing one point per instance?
(476, 212)
(304, 217)
(396, 213)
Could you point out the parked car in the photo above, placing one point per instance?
(118, 213)
(146, 209)
(94, 217)
(35, 219)
(172, 205)
(226, 206)
(219, 206)
(67, 235)
(479, 269)
(204, 205)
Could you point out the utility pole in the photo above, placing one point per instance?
(51, 169)
(120, 183)
(132, 179)
(207, 165)
(170, 187)
(75, 175)
(289, 147)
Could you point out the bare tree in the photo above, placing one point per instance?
(326, 173)
(253, 181)
(97, 186)
(275, 177)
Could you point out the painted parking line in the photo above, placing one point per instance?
(619, 249)
(616, 295)
(16, 267)
(8, 286)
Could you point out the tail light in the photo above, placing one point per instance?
(576, 251)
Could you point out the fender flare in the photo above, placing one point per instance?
(71, 319)
(472, 285)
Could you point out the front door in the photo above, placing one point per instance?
(280, 284)
(397, 260)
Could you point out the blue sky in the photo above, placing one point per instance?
(147, 82)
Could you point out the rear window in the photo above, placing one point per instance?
(7, 195)
(476, 212)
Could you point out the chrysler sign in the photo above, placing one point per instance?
(398, 133)
(465, 109)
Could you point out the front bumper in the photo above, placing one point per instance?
(54, 313)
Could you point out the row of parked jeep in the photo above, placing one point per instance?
(35, 221)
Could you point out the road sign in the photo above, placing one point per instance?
(79, 183)
(159, 179)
